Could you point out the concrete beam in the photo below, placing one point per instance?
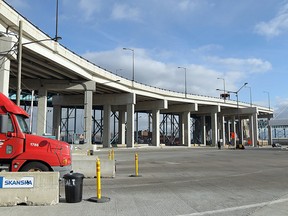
(241, 111)
(151, 105)
(179, 108)
(115, 99)
(111, 99)
(58, 84)
(209, 109)
(42, 188)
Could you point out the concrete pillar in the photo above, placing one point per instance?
(251, 132)
(233, 130)
(4, 75)
(203, 124)
(214, 124)
(222, 130)
(106, 126)
(269, 128)
(88, 105)
(6, 54)
(41, 112)
(255, 128)
(57, 121)
(181, 130)
(186, 125)
(121, 129)
(241, 131)
(228, 131)
(156, 127)
(130, 125)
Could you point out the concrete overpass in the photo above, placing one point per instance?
(53, 70)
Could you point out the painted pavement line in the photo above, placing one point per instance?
(237, 208)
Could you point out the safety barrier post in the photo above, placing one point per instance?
(98, 172)
(112, 154)
(99, 198)
(109, 155)
(136, 166)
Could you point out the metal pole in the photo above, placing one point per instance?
(224, 90)
(56, 34)
(133, 66)
(31, 111)
(19, 56)
(185, 71)
(268, 94)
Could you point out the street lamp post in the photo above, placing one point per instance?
(268, 94)
(133, 66)
(224, 90)
(238, 114)
(185, 71)
(250, 92)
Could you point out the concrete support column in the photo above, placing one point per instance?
(156, 127)
(41, 112)
(228, 131)
(222, 130)
(88, 105)
(251, 132)
(241, 131)
(121, 129)
(186, 125)
(130, 125)
(203, 124)
(233, 131)
(6, 44)
(56, 121)
(181, 130)
(269, 128)
(214, 124)
(4, 75)
(255, 128)
(106, 126)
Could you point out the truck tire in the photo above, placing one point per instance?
(35, 167)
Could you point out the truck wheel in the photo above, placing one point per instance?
(35, 167)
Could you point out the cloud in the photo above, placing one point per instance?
(89, 7)
(125, 12)
(200, 79)
(18, 3)
(276, 26)
(250, 65)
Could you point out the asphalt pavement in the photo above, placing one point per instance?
(182, 181)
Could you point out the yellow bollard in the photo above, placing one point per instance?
(109, 155)
(99, 197)
(98, 171)
(136, 166)
(112, 154)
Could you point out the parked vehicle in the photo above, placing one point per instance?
(22, 151)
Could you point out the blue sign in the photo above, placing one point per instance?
(1, 182)
(23, 182)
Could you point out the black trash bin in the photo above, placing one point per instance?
(73, 187)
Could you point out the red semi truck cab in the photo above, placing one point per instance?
(22, 151)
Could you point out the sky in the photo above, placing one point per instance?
(215, 40)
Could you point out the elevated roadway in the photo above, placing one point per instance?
(53, 70)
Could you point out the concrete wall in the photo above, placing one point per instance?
(87, 166)
(42, 188)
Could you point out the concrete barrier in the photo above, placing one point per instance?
(30, 188)
(87, 166)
